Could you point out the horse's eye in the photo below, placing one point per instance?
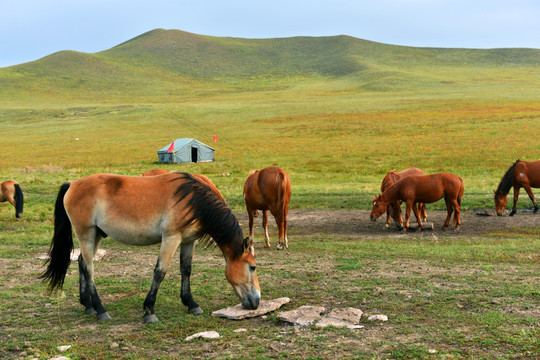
(252, 267)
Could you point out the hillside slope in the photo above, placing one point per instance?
(166, 59)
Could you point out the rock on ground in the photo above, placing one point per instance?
(204, 334)
(346, 317)
(237, 312)
(303, 316)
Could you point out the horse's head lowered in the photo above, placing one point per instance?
(500, 203)
(242, 274)
(379, 208)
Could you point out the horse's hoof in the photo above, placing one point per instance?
(535, 210)
(456, 229)
(512, 213)
(150, 318)
(103, 317)
(196, 311)
(280, 246)
(90, 311)
(443, 228)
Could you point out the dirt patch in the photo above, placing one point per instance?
(357, 223)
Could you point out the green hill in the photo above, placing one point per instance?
(163, 61)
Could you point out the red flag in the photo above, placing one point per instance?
(171, 147)
(215, 138)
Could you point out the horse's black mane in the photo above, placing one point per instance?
(218, 221)
(507, 181)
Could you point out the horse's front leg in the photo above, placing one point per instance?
(186, 254)
(408, 206)
(417, 215)
(516, 197)
(166, 252)
(528, 189)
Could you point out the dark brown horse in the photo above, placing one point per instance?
(522, 174)
(173, 209)
(426, 189)
(269, 189)
(11, 192)
(394, 209)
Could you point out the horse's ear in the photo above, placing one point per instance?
(248, 246)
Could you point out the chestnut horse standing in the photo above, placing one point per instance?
(269, 189)
(11, 191)
(522, 174)
(173, 209)
(394, 209)
(423, 188)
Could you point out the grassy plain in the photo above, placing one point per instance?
(336, 124)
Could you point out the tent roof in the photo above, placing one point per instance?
(179, 143)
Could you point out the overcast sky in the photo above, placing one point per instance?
(31, 29)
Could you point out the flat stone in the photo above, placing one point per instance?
(346, 317)
(237, 312)
(204, 334)
(303, 316)
(378, 318)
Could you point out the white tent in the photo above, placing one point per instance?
(186, 150)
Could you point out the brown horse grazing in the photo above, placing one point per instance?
(423, 188)
(522, 174)
(269, 189)
(11, 191)
(394, 209)
(173, 209)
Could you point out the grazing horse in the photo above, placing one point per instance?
(394, 209)
(11, 191)
(269, 189)
(173, 209)
(522, 174)
(423, 188)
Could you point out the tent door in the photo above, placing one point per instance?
(194, 154)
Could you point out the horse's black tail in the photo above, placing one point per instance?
(19, 200)
(61, 244)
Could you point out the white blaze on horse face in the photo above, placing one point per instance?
(242, 275)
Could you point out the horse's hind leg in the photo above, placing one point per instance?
(457, 218)
(251, 215)
(166, 252)
(423, 213)
(528, 189)
(186, 254)
(449, 210)
(86, 267)
(84, 290)
(265, 227)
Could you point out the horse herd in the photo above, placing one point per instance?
(177, 209)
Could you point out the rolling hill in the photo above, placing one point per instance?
(161, 62)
